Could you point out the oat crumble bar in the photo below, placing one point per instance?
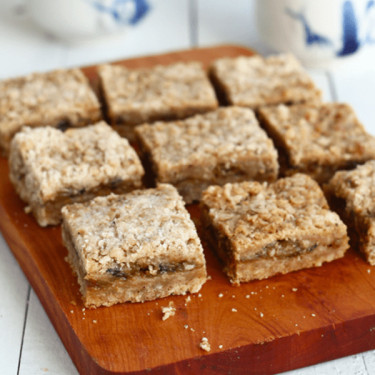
(260, 230)
(50, 168)
(134, 247)
(225, 145)
(317, 139)
(257, 81)
(59, 98)
(135, 96)
(352, 195)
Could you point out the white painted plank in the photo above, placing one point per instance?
(320, 79)
(13, 294)
(353, 365)
(369, 361)
(25, 49)
(357, 87)
(233, 22)
(43, 352)
(165, 28)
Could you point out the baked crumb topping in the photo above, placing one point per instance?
(267, 213)
(327, 133)
(225, 136)
(255, 81)
(357, 187)
(63, 163)
(144, 229)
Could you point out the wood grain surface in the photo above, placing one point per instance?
(261, 327)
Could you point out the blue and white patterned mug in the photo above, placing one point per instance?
(83, 19)
(318, 31)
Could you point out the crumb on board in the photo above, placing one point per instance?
(261, 314)
(95, 321)
(247, 296)
(220, 346)
(73, 303)
(314, 315)
(234, 310)
(192, 329)
(205, 345)
(369, 271)
(71, 311)
(186, 326)
(27, 209)
(168, 311)
(220, 295)
(199, 295)
(294, 289)
(209, 277)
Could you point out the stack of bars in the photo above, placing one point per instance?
(249, 139)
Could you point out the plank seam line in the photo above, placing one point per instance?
(193, 23)
(365, 364)
(24, 328)
(332, 87)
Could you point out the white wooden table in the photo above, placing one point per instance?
(28, 342)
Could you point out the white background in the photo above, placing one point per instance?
(28, 343)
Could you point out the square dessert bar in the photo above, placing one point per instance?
(352, 195)
(226, 145)
(317, 139)
(135, 96)
(260, 230)
(60, 98)
(256, 81)
(50, 169)
(134, 247)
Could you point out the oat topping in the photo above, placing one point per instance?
(328, 133)
(357, 187)
(140, 95)
(57, 163)
(260, 213)
(148, 229)
(222, 146)
(255, 81)
(222, 136)
(45, 99)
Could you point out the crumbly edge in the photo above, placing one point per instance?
(130, 117)
(191, 175)
(50, 212)
(313, 249)
(136, 289)
(91, 114)
(191, 188)
(321, 170)
(361, 227)
(226, 93)
(29, 153)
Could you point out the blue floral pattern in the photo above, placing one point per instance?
(351, 41)
(123, 11)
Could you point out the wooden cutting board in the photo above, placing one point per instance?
(261, 327)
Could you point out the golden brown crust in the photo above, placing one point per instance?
(261, 224)
(225, 145)
(135, 96)
(134, 247)
(257, 81)
(318, 139)
(50, 168)
(58, 98)
(352, 194)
